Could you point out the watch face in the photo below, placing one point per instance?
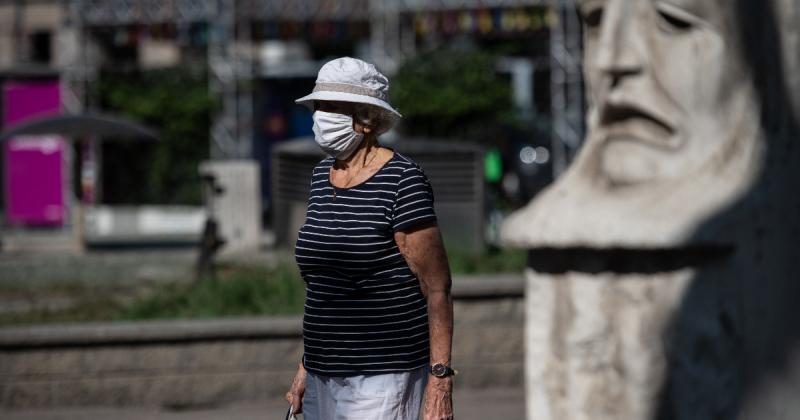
(439, 369)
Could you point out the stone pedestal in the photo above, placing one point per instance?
(595, 345)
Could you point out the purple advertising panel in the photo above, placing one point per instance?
(34, 165)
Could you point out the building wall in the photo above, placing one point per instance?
(35, 17)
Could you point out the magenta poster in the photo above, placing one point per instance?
(34, 165)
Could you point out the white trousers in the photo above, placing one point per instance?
(392, 396)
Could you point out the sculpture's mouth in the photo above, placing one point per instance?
(625, 121)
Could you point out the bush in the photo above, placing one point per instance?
(450, 93)
(236, 292)
(492, 261)
(175, 102)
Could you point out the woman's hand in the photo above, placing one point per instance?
(438, 403)
(295, 394)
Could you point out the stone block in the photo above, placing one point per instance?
(212, 356)
(476, 375)
(272, 383)
(199, 390)
(122, 391)
(161, 358)
(111, 360)
(76, 393)
(60, 362)
(169, 390)
(263, 354)
(488, 311)
(232, 355)
(216, 389)
(115, 391)
(496, 343)
(282, 354)
(28, 395)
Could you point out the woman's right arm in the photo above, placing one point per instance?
(295, 394)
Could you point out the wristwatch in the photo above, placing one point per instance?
(441, 370)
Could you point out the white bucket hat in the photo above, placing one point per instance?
(350, 80)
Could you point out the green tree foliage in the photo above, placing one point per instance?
(450, 93)
(174, 101)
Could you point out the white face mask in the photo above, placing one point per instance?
(335, 135)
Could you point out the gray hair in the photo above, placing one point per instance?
(379, 119)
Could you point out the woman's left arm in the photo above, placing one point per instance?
(424, 251)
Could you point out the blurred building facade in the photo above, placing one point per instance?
(28, 31)
(261, 54)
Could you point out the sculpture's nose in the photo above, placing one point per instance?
(621, 49)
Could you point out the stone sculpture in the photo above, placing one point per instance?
(672, 128)
(663, 260)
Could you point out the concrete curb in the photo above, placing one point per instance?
(171, 331)
(488, 286)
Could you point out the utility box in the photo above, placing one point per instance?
(454, 169)
(237, 204)
(35, 169)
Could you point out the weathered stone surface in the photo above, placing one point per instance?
(28, 394)
(505, 374)
(691, 162)
(500, 311)
(673, 132)
(595, 344)
(486, 344)
(158, 358)
(270, 382)
(194, 390)
(114, 360)
(43, 362)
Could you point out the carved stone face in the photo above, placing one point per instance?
(673, 129)
(659, 74)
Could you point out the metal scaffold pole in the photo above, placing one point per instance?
(74, 70)
(223, 80)
(229, 78)
(386, 36)
(566, 83)
(244, 61)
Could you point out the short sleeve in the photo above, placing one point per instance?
(413, 205)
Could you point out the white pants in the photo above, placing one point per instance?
(393, 396)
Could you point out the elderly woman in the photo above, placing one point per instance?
(378, 320)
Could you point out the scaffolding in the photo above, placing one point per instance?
(566, 84)
(74, 71)
(227, 130)
(231, 52)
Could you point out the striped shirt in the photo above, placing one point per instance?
(364, 312)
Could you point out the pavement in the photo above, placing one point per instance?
(469, 404)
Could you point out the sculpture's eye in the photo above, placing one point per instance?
(673, 22)
(592, 19)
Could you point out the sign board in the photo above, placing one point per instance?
(34, 165)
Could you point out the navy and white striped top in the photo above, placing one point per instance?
(365, 312)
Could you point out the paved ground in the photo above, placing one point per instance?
(493, 403)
